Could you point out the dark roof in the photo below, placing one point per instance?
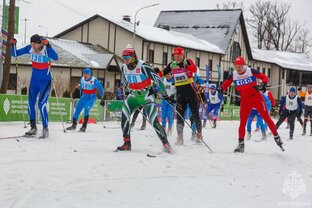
(76, 54)
(214, 26)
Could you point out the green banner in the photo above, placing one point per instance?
(230, 113)
(56, 109)
(16, 19)
(12, 107)
(113, 110)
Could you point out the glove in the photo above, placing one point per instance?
(189, 74)
(45, 42)
(170, 100)
(13, 41)
(102, 103)
(262, 86)
(156, 69)
(220, 90)
(200, 89)
(222, 108)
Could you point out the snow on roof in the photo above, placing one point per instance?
(160, 35)
(288, 60)
(76, 54)
(215, 26)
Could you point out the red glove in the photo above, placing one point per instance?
(45, 42)
(189, 74)
(13, 41)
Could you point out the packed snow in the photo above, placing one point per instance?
(80, 170)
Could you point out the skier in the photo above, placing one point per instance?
(308, 109)
(245, 83)
(252, 114)
(167, 110)
(182, 69)
(138, 78)
(291, 106)
(215, 101)
(88, 87)
(40, 83)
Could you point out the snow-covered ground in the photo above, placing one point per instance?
(80, 170)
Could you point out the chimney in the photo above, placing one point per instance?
(165, 27)
(126, 18)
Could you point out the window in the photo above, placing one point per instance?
(12, 82)
(150, 56)
(197, 61)
(165, 58)
(269, 72)
(258, 68)
(263, 70)
(210, 64)
(235, 51)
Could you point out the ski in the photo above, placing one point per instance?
(17, 137)
(111, 127)
(149, 155)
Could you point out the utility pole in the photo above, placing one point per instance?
(7, 62)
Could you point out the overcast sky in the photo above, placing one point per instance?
(56, 16)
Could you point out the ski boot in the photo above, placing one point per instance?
(199, 138)
(143, 127)
(84, 125)
(126, 145)
(169, 131)
(33, 129)
(291, 135)
(193, 137)
(279, 142)
(45, 133)
(264, 136)
(248, 135)
(73, 126)
(311, 132)
(179, 140)
(257, 129)
(240, 147)
(304, 132)
(167, 148)
(214, 125)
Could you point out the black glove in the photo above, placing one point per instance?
(157, 70)
(220, 90)
(170, 100)
(262, 86)
(222, 108)
(102, 103)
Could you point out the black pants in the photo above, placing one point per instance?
(186, 95)
(291, 115)
(307, 114)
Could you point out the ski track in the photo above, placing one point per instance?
(80, 170)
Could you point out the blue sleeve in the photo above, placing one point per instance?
(80, 87)
(200, 80)
(21, 51)
(99, 86)
(52, 54)
(220, 97)
(299, 105)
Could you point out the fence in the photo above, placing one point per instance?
(11, 109)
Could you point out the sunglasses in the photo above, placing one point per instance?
(126, 57)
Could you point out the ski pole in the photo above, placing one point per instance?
(189, 126)
(57, 99)
(19, 80)
(202, 103)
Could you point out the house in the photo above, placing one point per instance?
(74, 56)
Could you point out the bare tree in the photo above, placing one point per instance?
(273, 29)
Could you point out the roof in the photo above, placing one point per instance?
(287, 60)
(76, 54)
(215, 26)
(158, 35)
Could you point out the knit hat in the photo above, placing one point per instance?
(87, 71)
(292, 89)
